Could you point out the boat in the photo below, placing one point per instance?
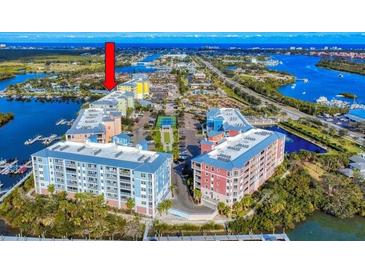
(304, 92)
(2, 162)
(293, 86)
(31, 141)
(340, 75)
(60, 122)
(50, 139)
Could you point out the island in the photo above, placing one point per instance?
(5, 117)
(348, 95)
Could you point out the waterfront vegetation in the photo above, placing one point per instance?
(9, 70)
(162, 229)
(293, 194)
(5, 118)
(54, 215)
(342, 65)
(314, 130)
(270, 89)
(70, 73)
(267, 83)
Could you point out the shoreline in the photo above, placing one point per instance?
(307, 138)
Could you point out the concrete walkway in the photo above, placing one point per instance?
(167, 146)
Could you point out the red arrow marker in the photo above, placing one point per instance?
(109, 81)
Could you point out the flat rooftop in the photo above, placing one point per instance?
(91, 120)
(231, 117)
(136, 78)
(113, 98)
(236, 151)
(106, 154)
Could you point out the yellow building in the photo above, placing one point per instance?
(139, 85)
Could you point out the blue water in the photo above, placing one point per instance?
(139, 67)
(294, 143)
(323, 227)
(322, 82)
(19, 78)
(31, 118)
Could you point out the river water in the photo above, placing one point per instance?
(321, 81)
(20, 78)
(323, 227)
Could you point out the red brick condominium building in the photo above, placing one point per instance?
(232, 165)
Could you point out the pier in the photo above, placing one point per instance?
(21, 181)
(45, 140)
(64, 122)
(8, 167)
(12, 167)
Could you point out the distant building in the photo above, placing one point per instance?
(116, 172)
(139, 85)
(357, 162)
(227, 120)
(116, 101)
(95, 124)
(236, 158)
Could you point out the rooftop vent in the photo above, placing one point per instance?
(80, 148)
(118, 154)
(56, 147)
(63, 148)
(97, 152)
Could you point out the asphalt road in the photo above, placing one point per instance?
(291, 112)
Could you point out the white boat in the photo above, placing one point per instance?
(340, 75)
(304, 92)
(2, 162)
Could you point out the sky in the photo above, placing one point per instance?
(185, 37)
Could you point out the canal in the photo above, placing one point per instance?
(294, 143)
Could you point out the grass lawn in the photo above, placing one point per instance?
(314, 170)
(166, 136)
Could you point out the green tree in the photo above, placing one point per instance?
(164, 206)
(131, 204)
(221, 207)
(51, 189)
(197, 195)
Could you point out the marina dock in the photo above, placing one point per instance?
(64, 122)
(45, 140)
(12, 167)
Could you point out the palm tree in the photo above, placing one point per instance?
(130, 204)
(164, 206)
(221, 208)
(197, 195)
